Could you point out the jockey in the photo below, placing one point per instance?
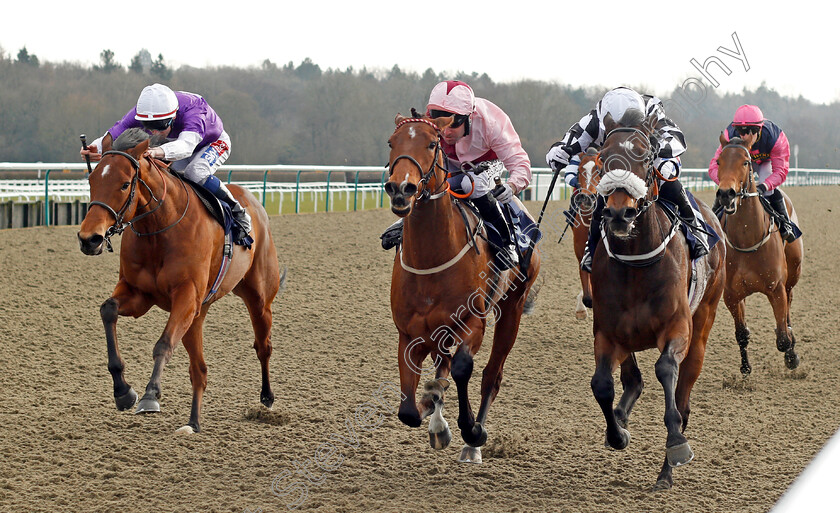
(193, 139)
(770, 153)
(481, 132)
(590, 131)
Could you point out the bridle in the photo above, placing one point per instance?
(651, 172)
(423, 192)
(120, 223)
(745, 183)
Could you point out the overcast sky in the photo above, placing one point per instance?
(791, 46)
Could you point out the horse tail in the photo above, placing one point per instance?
(530, 301)
(282, 286)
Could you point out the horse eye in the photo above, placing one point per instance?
(389, 144)
(432, 145)
(126, 185)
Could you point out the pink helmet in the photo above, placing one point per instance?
(452, 96)
(748, 115)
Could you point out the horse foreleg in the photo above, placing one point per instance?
(194, 344)
(411, 356)
(742, 332)
(603, 388)
(185, 306)
(632, 384)
(677, 449)
(692, 364)
(791, 358)
(124, 301)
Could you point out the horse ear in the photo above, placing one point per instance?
(442, 123)
(609, 123)
(722, 139)
(399, 119)
(140, 149)
(649, 126)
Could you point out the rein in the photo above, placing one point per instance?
(120, 224)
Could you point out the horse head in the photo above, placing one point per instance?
(734, 173)
(589, 175)
(415, 161)
(113, 187)
(627, 170)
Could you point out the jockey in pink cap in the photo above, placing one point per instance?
(770, 152)
(481, 133)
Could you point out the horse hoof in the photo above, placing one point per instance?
(581, 315)
(185, 430)
(127, 400)
(791, 360)
(746, 370)
(587, 301)
(440, 440)
(267, 400)
(622, 443)
(661, 486)
(470, 454)
(147, 405)
(679, 454)
(476, 437)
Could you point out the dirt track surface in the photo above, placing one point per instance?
(64, 446)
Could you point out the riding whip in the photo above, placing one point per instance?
(83, 137)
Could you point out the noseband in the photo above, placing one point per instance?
(120, 223)
(423, 194)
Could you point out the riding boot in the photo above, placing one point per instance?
(240, 215)
(594, 236)
(674, 192)
(717, 208)
(491, 212)
(777, 201)
(392, 236)
(572, 211)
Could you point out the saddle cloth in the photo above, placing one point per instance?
(220, 211)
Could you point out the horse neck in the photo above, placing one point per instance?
(166, 189)
(432, 228)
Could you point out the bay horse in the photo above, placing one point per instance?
(761, 260)
(584, 204)
(641, 282)
(171, 258)
(444, 286)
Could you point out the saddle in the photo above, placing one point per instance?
(220, 211)
(691, 233)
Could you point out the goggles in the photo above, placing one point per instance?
(158, 125)
(459, 120)
(749, 129)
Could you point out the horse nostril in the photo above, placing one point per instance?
(390, 188)
(409, 189)
(609, 213)
(629, 213)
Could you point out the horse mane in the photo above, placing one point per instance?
(129, 139)
(737, 140)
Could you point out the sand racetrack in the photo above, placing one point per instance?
(64, 446)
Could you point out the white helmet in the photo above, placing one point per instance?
(452, 96)
(156, 102)
(617, 102)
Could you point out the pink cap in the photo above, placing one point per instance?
(748, 115)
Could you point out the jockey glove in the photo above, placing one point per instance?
(762, 189)
(557, 158)
(504, 193)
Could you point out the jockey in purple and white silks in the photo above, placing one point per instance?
(770, 153)
(192, 136)
(668, 144)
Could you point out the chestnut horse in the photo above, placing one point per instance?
(761, 260)
(444, 286)
(641, 281)
(584, 199)
(171, 258)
